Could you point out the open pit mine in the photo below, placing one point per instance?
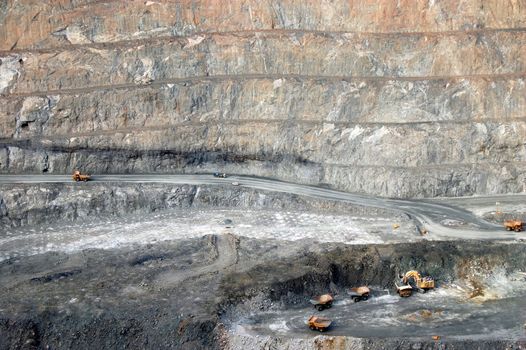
(278, 174)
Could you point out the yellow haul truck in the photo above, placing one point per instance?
(317, 323)
(513, 225)
(77, 176)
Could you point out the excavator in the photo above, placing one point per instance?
(413, 281)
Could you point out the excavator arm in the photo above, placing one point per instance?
(411, 274)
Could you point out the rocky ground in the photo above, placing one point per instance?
(399, 99)
(210, 271)
(159, 295)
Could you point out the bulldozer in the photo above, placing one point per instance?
(412, 281)
(77, 176)
(513, 225)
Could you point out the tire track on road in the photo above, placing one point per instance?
(225, 249)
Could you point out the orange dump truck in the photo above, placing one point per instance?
(322, 302)
(359, 293)
(317, 323)
(513, 225)
(404, 291)
(77, 176)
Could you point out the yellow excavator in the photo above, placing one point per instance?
(413, 281)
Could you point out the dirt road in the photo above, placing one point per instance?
(225, 255)
(432, 215)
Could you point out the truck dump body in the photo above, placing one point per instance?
(359, 293)
(319, 323)
(322, 302)
(513, 225)
(404, 291)
(77, 176)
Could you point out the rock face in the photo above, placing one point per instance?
(27, 205)
(395, 98)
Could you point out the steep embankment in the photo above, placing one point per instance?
(390, 98)
(23, 204)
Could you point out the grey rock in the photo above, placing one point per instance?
(9, 72)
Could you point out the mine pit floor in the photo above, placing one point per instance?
(446, 312)
(170, 225)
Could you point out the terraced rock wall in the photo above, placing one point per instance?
(22, 205)
(400, 99)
